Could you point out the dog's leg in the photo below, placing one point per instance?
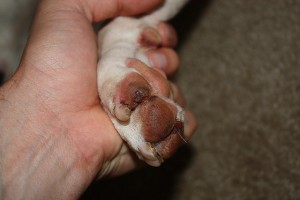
(138, 98)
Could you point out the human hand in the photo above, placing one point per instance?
(55, 135)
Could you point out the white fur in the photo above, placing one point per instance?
(118, 41)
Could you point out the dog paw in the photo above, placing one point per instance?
(138, 98)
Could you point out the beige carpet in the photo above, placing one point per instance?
(241, 76)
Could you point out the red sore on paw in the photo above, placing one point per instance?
(133, 90)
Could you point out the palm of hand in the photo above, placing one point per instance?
(68, 81)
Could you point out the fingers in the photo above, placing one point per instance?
(165, 35)
(190, 124)
(176, 95)
(158, 44)
(168, 34)
(157, 80)
(164, 59)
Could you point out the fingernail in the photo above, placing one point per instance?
(157, 59)
(169, 34)
(150, 37)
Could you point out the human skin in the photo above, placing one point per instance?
(55, 138)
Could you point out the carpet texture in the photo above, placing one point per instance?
(241, 76)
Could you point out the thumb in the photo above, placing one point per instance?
(62, 30)
(100, 10)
